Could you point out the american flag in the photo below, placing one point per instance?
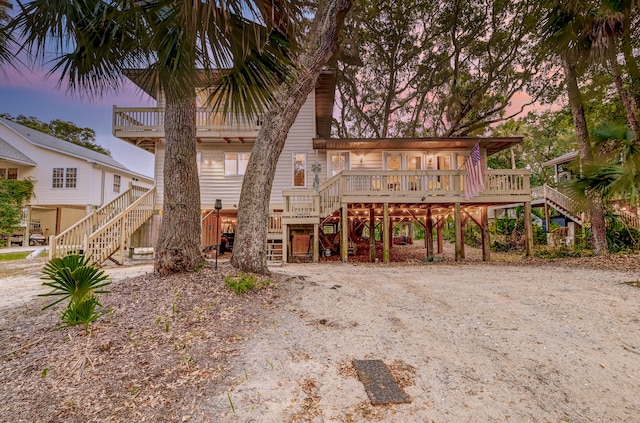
(474, 182)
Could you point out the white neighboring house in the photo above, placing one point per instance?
(70, 181)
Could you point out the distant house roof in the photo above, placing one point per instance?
(61, 146)
(12, 154)
(565, 158)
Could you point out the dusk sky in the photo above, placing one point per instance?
(33, 94)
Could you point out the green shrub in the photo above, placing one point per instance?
(75, 278)
(561, 252)
(244, 283)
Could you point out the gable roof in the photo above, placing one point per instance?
(49, 142)
(12, 154)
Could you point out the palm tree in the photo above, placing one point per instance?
(563, 31)
(95, 41)
(618, 174)
(602, 38)
(5, 39)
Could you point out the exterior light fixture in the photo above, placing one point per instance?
(218, 207)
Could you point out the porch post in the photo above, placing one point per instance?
(344, 232)
(428, 233)
(385, 232)
(316, 241)
(439, 235)
(463, 224)
(458, 232)
(27, 227)
(486, 242)
(528, 229)
(285, 242)
(372, 235)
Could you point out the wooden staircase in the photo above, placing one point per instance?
(104, 232)
(559, 201)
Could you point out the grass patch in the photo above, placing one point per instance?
(14, 256)
(244, 283)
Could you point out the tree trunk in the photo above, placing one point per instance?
(249, 253)
(178, 248)
(596, 209)
(630, 61)
(627, 102)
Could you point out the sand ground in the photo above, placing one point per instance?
(471, 343)
(480, 343)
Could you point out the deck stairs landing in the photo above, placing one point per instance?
(103, 233)
(559, 201)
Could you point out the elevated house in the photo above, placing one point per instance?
(327, 191)
(71, 181)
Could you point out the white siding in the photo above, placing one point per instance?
(214, 184)
(88, 190)
(299, 140)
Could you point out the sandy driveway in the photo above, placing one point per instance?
(481, 342)
(473, 342)
(20, 280)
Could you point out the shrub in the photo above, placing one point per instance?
(75, 278)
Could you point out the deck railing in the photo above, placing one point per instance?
(275, 223)
(301, 203)
(418, 186)
(629, 218)
(145, 119)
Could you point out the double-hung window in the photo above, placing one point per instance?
(235, 164)
(117, 179)
(299, 170)
(65, 177)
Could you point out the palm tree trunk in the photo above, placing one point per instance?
(597, 211)
(178, 248)
(249, 253)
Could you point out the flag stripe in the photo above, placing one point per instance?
(474, 182)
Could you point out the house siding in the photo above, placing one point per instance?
(215, 185)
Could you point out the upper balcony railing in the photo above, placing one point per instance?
(149, 121)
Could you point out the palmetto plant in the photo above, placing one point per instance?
(75, 278)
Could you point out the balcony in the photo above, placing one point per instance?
(145, 125)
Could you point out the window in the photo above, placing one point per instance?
(235, 163)
(300, 170)
(338, 162)
(9, 173)
(116, 183)
(65, 177)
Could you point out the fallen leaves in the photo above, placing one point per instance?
(165, 342)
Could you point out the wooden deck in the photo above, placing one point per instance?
(403, 189)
